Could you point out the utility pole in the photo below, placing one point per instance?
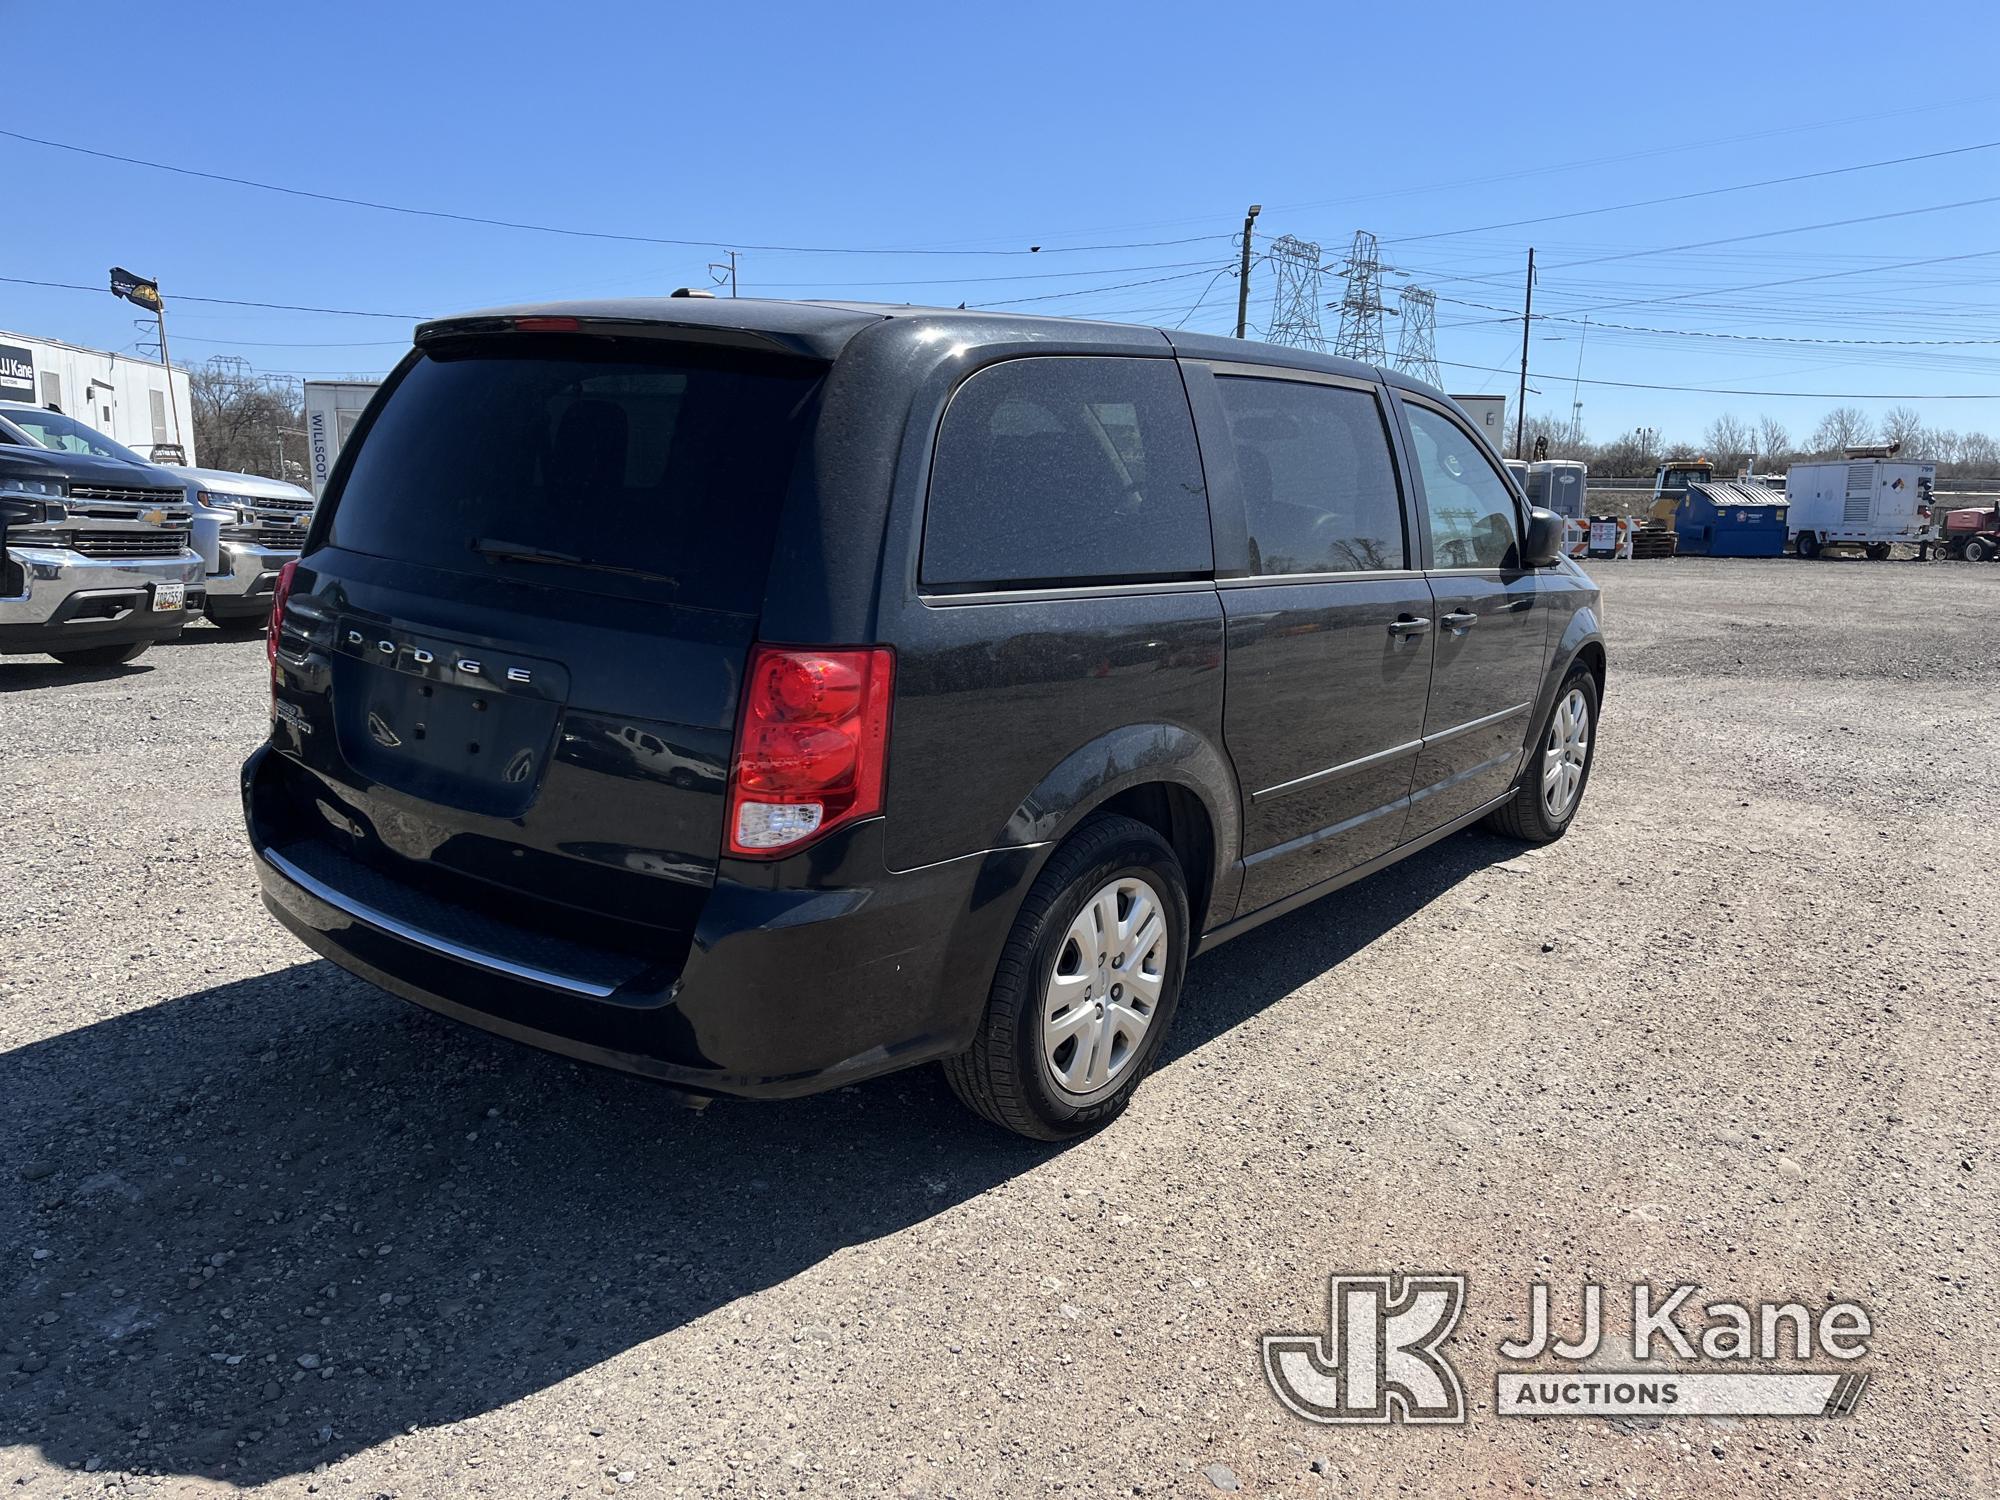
(173, 400)
(1243, 274)
(1527, 315)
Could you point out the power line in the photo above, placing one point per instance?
(1766, 234)
(1706, 390)
(1702, 333)
(1741, 187)
(584, 234)
(1090, 290)
(344, 312)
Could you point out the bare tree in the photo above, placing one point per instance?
(1936, 445)
(1630, 455)
(1728, 438)
(1905, 425)
(1978, 451)
(1773, 441)
(1843, 427)
(243, 420)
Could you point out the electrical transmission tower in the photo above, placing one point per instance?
(1416, 340)
(1295, 271)
(1360, 335)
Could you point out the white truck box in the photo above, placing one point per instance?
(1860, 501)
(332, 407)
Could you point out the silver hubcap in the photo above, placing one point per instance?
(1566, 754)
(1105, 990)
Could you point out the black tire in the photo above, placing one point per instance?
(1003, 1075)
(1525, 816)
(1807, 545)
(102, 656)
(1976, 550)
(238, 624)
(1878, 551)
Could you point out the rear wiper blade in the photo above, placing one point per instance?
(521, 553)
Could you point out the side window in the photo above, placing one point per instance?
(1319, 488)
(1470, 507)
(1059, 471)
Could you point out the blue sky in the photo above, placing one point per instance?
(903, 131)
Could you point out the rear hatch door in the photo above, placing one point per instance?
(509, 670)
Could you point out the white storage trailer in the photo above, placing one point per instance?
(331, 410)
(1871, 503)
(138, 402)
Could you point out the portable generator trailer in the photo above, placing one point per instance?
(1869, 501)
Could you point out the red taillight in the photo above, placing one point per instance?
(544, 325)
(810, 751)
(280, 592)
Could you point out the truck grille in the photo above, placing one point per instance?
(131, 495)
(155, 542)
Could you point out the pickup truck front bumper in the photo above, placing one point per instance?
(240, 587)
(52, 599)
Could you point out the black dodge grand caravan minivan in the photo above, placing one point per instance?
(762, 696)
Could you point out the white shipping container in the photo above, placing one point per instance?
(331, 410)
(137, 402)
(1861, 501)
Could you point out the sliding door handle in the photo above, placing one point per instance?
(1461, 620)
(1409, 625)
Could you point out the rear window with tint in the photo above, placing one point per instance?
(1057, 471)
(663, 467)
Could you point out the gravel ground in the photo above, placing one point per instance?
(263, 1227)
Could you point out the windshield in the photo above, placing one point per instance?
(65, 434)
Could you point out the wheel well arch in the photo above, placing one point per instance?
(1591, 657)
(1180, 817)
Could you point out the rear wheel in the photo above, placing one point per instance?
(1978, 550)
(1085, 988)
(1807, 545)
(1551, 788)
(1878, 551)
(102, 656)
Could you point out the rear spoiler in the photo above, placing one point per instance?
(491, 324)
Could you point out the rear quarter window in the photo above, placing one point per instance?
(1059, 471)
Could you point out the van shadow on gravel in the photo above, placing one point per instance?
(272, 1223)
(25, 676)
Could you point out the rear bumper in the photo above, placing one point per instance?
(246, 574)
(53, 599)
(785, 990)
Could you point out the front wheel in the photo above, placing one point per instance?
(1551, 788)
(1806, 545)
(1085, 988)
(102, 656)
(1977, 550)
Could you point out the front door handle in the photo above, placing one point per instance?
(1409, 625)
(1461, 620)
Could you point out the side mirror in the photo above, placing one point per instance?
(1543, 547)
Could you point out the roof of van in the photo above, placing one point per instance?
(822, 329)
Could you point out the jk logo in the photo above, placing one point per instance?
(1378, 1360)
